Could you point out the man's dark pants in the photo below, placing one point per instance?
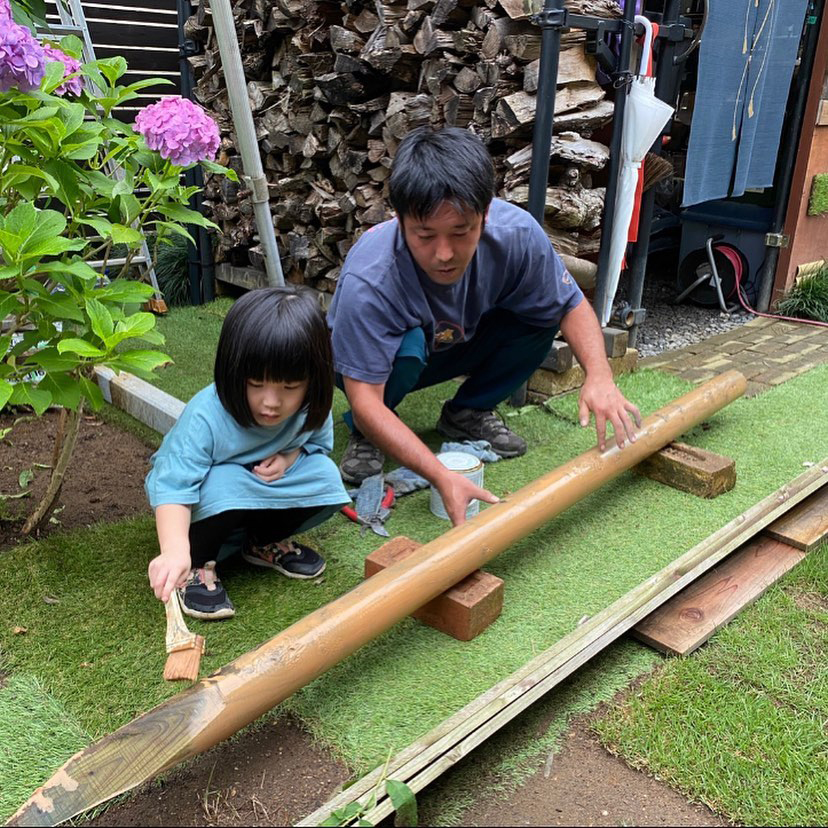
(503, 353)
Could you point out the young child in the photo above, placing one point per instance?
(249, 452)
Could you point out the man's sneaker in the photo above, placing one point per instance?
(471, 424)
(204, 597)
(361, 459)
(294, 560)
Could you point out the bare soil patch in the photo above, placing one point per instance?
(105, 481)
(270, 776)
(810, 601)
(583, 784)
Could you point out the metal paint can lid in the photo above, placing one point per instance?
(469, 466)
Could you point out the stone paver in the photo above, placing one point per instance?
(767, 351)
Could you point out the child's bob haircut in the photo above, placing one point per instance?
(277, 334)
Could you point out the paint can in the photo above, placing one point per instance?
(469, 466)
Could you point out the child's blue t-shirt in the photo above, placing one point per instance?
(382, 293)
(204, 461)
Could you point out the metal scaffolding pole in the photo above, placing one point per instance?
(248, 146)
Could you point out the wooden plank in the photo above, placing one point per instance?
(424, 760)
(686, 621)
(803, 527)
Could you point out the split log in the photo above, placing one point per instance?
(334, 92)
(221, 704)
(565, 207)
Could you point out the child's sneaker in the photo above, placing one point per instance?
(204, 597)
(294, 560)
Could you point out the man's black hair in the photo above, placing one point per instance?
(279, 335)
(431, 167)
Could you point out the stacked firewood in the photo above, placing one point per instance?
(334, 86)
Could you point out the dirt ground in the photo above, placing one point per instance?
(105, 481)
(274, 775)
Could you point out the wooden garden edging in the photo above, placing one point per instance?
(221, 704)
(423, 761)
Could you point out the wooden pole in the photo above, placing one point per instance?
(223, 703)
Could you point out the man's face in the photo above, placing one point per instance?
(443, 243)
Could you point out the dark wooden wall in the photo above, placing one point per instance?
(145, 33)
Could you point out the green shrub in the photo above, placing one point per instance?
(171, 270)
(808, 298)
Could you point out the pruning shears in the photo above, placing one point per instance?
(375, 521)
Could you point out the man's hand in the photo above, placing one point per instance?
(601, 396)
(274, 467)
(457, 492)
(168, 571)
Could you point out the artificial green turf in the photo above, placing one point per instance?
(411, 678)
(191, 335)
(37, 736)
(741, 725)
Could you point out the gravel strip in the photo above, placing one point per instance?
(668, 326)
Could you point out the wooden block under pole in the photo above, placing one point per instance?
(689, 618)
(464, 610)
(694, 470)
(804, 526)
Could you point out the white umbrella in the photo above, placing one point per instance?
(645, 116)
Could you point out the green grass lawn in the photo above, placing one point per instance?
(741, 724)
(98, 653)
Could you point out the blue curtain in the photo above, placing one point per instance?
(746, 61)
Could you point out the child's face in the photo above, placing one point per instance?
(271, 403)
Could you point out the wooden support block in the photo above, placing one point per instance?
(694, 470)
(559, 358)
(464, 610)
(689, 618)
(804, 526)
(616, 341)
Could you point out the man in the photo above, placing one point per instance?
(458, 284)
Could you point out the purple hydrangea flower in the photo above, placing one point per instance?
(180, 130)
(22, 59)
(5, 10)
(74, 85)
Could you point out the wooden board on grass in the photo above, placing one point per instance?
(688, 619)
(804, 526)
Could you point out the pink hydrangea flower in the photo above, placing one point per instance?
(74, 85)
(22, 59)
(180, 130)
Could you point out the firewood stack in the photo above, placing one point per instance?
(334, 86)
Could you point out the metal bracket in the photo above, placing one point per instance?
(551, 18)
(777, 240)
(628, 317)
(189, 47)
(596, 44)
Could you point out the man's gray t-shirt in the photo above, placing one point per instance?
(382, 293)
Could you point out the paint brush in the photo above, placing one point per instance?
(185, 648)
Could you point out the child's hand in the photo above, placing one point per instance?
(168, 571)
(272, 468)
